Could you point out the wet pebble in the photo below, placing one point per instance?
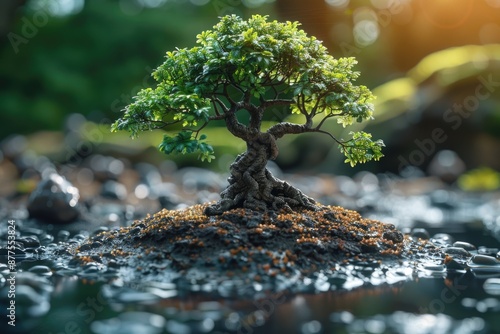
(487, 251)
(149, 174)
(311, 327)
(106, 167)
(455, 265)
(30, 241)
(13, 145)
(492, 286)
(446, 165)
(442, 239)
(488, 305)
(100, 230)
(442, 199)
(54, 200)
(33, 231)
(483, 263)
(169, 201)
(343, 317)
(118, 293)
(4, 269)
(62, 235)
(114, 190)
(29, 301)
(420, 233)
(80, 237)
(456, 251)
(485, 260)
(195, 179)
(41, 270)
(174, 326)
(131, 323)
(85, 247)
(46, 239)
(465, 245)
(394, 236)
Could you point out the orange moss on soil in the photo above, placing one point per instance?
(256, 243)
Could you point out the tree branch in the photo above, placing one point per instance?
(234, 126)
(277, 102)
(281, 129)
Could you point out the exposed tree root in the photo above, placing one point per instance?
(252, 186)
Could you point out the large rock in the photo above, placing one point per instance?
(55, 200)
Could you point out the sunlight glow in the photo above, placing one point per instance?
(59, 7)
(337, 3)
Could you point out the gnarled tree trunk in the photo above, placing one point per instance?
(252, 186)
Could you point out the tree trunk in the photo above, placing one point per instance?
(252, 186)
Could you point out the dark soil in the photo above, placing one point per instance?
(250, 245)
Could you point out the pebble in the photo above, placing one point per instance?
(100, 230)
(131, 323)
(196, 179)
(456, 251)
(62, 235)
(114, 190)
(394, 236)
(106, 167)
(116, 292)
(465, 245)
(30, 241)
(442, 238)
(149, 174)
(487, 251)
(30, 301)
(420, 233)
(41, 270)
(492, 286)
(485, 260)
(54, 200)
(484, 263)
(446, 165)
(435, 267)
(442, 199)
(168, 200)
(13, 145)
(4, 269)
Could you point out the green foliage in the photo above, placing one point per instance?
(361, 148)
(184, 142)
(251, 66)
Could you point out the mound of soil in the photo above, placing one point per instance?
(246, 243)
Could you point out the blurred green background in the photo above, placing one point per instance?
(435, 67)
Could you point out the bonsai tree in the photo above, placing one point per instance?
(252, 67)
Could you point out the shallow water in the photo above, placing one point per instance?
(422, 296)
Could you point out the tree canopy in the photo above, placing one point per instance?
(252, 66)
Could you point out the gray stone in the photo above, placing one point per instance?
(55, 200)
(114, 190)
